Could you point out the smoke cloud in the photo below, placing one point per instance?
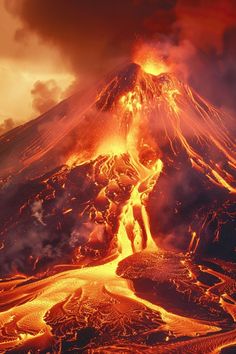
(45, 95)
(94, 35)
(6, 125)
(90, 33)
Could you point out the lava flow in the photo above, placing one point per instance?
(104, 279)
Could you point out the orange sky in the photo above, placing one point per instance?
(22, 63)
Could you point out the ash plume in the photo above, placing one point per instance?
(96, 35)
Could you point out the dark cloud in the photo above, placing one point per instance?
(95, 34)
(210, 26)
(90, 33)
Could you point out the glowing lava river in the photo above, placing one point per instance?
(123, 209)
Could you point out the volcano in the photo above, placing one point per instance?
(117, 222)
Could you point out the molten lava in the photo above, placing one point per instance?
(121, 291)
(147, 58)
